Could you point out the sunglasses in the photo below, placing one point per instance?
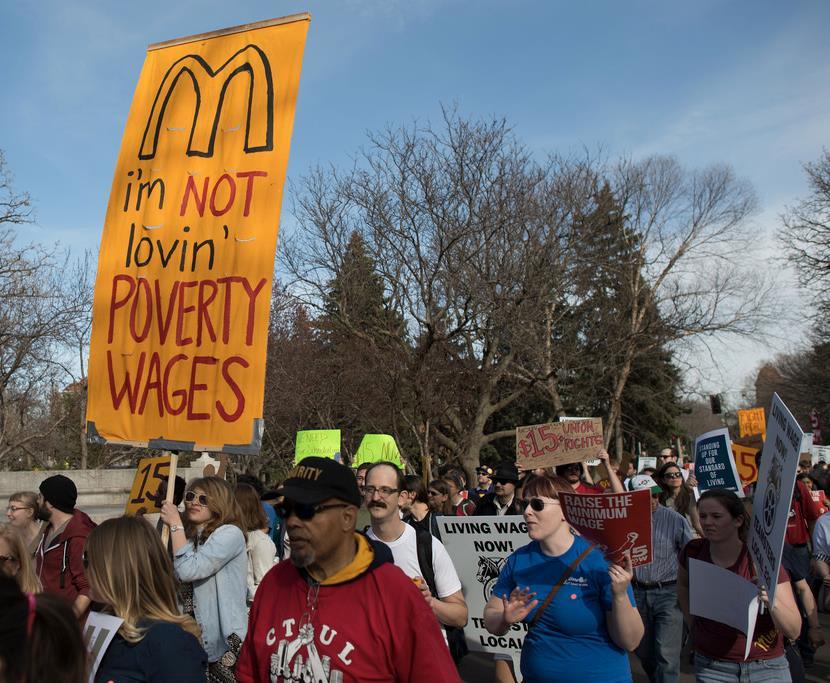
(503, 481)
(200, 498)
(304, 511)
(538, 504)
(672, 475)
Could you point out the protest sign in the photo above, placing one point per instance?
(150, 474)
(99, 630)
(616, 522)
(478, 547)
(714, 464)
(182, 295)
(376, 447)
(646, 461)
(745, 463)
(323, 443)
(773, 494)
(721, 595)
(558, 443)
(751, 421)
(593, 462)
(821, 454)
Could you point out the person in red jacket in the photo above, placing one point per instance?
(59, 555)
(339, 611)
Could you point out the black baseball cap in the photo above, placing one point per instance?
(314, 480)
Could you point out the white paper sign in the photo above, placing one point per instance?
(773, 494)
(478, 547)
(720, 595)
(99, 631)
(646, 461)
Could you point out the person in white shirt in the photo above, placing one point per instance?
(384, 493)
(261, 549)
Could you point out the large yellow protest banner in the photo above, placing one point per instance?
(182, 296)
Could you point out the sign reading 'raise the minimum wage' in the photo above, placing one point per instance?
(182, 297)
(558, 443)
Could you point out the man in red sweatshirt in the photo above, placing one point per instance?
(60, 553)
(339, 610)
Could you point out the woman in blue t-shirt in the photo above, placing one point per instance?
(585, 631)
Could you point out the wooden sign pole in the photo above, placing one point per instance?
(171, 489)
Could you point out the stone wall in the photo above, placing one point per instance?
(101, 493)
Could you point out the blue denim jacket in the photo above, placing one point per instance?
(218, 571)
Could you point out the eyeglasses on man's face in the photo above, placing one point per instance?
(384, 491)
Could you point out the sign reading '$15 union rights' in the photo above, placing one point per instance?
(558, 443)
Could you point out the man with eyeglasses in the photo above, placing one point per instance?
(383, 497)
(655, 588)
(339, 610)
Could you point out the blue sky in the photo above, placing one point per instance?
(745, 83)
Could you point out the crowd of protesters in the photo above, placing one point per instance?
(340, 575)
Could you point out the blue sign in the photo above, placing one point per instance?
(715, 464)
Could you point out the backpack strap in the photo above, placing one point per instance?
(423, 545)
(565, 576)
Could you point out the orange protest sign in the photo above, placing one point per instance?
(182, 296)
(752, 421)
(745, 462)
(149, 476)
(558, 443)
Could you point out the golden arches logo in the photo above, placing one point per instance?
(249, 61)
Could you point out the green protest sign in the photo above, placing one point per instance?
(375, 447)
(324, 443)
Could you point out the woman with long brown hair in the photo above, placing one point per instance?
(719, 648)
(209, 554)
(677, 494)
(438, 495)
(130, 572)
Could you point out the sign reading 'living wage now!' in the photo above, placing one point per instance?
(182, 297)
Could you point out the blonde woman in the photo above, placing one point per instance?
(22, 514)
(209, 553)
(130, 572)
(15, 560)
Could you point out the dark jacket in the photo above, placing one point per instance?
(60, 565)
(166, 653)
(487, 506)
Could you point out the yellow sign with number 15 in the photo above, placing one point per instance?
(145, 495)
